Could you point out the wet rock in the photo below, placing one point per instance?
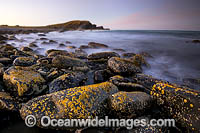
(43, 38)
(129, 104)
(139, 61)
(45, 61)
(119, 49)
(24, 61)
(64, 62)
(84, 47)
(52, 41)
(66, 81)
(179, 102)
(54, 74)
(68, 42)
(58, 52)
(62, 45)
(126, 84)
(74, 103)
(33, 45)
(80, 54)
(145, 54)
(102, 75)
(41, 35)
(123, 66)
(195, 41)
(128, 55)
(71, 47)
(2, 38)
(5, 60)
(23, 81)
(7, 47)
(97, 45)
(102, 55)
(7, 103)
(26, 49)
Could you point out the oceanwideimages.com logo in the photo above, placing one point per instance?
(46, 121)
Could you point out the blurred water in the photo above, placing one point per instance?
(174, 57)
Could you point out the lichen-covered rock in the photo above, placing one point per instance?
(71, 47)
(139, 61)
(102, 55)
(66, 81)
(58, 52)
(179, 102)
(7, 47)
(24, 61)
(129, 104)
(126, 84)
(80, 54)
(64, 62)
(97, 45)
(128, 55)
(45, 61)
(21, 81)
(7, 103)
(74, 103)
(123, 66)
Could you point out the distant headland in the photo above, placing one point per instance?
(61, 27)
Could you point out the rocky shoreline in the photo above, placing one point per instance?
(71, 85)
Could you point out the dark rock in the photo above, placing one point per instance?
(195, 41)
(33, 45)
(123, 66)
(2, 38)
(5, 60)
(61, 45)
(41, 35)
(119, 49)
(7, 103)
(102, 75)
(26, 49)
(126, 84)
(43, 38)
(7, 47)
(54, 74)
(102, 55)
(68, 42)
(128, 55)
(45, 61)
(84, 47)
(139, 61)
(66, 81)
(97, 45)
(80, 54)
(24, 61)
(74, 103)
(64, 62)
(52, 41)
(54, 53)
(129, 104)
(23, 81)
(179, 102)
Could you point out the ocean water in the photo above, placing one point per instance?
(174, 58)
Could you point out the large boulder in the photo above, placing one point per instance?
(22, 81)
(123, 66)
(64, 62)
(74, 103)
(179, 102)
(8, 103)
(129, 104)
(102, 55)
(24, 61)
(66, 81)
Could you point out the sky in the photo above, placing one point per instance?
(114, 14)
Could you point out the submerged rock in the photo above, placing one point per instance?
(179, 102)
(7, 103)
(23, 81)
(139, 61)
(102, 55)
(64, 62)
(123, 66)
(24, 61)
(74, 103)
(97, 45)
(129, 104)
(33, 45)
(66, 81)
